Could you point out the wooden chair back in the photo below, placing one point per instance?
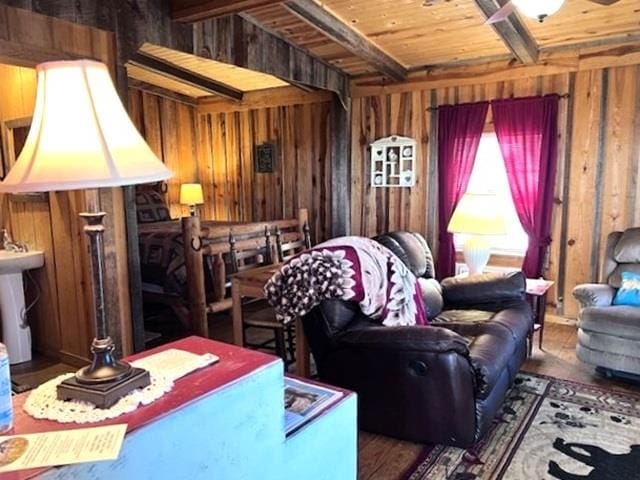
(248, 254)
(287, 247)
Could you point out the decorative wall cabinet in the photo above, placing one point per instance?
(393, 162)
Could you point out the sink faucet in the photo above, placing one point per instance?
(11, 246)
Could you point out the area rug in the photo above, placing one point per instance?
(547, 429)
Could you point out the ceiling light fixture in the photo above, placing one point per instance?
(538, 9)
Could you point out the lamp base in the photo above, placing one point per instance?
(476, 254)
(105, 394)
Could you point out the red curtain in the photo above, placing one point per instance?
(459, 131)
(527, 130)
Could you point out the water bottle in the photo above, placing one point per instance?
(6, 406)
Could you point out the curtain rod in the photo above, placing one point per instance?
(432, 109)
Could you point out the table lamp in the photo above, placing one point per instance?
(81, 137)
(191, 194)
(478, 215)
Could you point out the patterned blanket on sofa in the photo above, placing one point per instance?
(356, 269)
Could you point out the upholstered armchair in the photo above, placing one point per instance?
(608, 334)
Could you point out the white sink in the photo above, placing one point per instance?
(16, 334)
(18, 262)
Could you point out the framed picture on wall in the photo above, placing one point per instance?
(265, 158)
(14, 136)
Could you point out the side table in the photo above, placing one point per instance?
(537, 289)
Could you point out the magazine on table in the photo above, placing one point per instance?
(303, 401)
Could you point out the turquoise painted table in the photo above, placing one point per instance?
(225, 421)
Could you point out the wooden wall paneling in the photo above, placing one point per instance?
(289, 161)
(170, 153)
(246, 167)
(234, 179)
(152, 128)
(618, 189)
(321, 156)
(415, 213)
(555, 84)
(274, 190)
(582, 204)
(304, 157)
(634, 177)
(432, 170)
(44, 319)
(70, 276)
(259, 133)
(357, 176)
(205, 163)
(339, 174)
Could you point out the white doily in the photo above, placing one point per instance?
(164, 368)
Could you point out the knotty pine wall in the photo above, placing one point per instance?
(216, 149)
(597, 182)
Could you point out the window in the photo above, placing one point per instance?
(490, 176)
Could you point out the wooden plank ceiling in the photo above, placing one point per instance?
(419, 33)
(394, 37)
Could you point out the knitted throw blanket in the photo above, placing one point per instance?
(357, 269)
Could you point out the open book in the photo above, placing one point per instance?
(304, 401)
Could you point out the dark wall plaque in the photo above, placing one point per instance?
(265, 158)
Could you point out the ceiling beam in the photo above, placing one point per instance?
(512, 32)
(336, 29)
(161, 67)
(196, 11)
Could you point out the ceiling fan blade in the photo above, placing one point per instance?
(501, 14)
(605, 2)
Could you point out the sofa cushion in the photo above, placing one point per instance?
(462, 316)
(608, 343)
(431, 296)
(494, 290)
(629, 291)
(628, 247)
(619, 321)
(615, 279)
(412, 249)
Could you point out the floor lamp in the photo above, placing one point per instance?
(477, 215)
(81, 138)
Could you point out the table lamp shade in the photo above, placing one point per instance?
(478, 214)
(81, 136)
(191, 194)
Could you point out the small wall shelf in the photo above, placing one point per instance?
(393, 162)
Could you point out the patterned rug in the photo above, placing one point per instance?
(547, 429)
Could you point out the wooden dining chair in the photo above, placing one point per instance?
(258, 314)
(288, 249)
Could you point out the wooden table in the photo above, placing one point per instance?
(250, 283)
(537, 289)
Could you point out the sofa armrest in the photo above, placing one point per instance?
(406, 338)
(594, 294)
(489, 291)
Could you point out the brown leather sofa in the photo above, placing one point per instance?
(443, 383)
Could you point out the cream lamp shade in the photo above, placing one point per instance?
(81, 136)
(191, 194)
(538, 9)
(477, 214)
